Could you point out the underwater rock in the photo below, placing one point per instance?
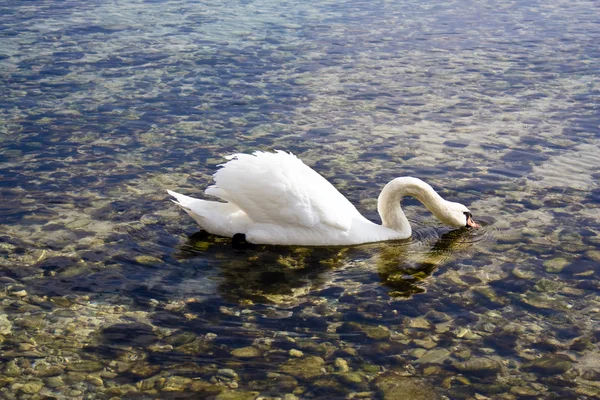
(285, 383)
(181, 338)
(524, 392)
(555, 265)
(237, 395)
(435, 356)
(479, 366)
(304, 368)
(133, 334)
(437, 317)
(329, 385)
(393, 386)
(54, 381)
(11, 369)
(296, 353)
(418, 323)
(94, 380)
(48, 371)
(143, 369)
(73, 377)
(85, 366)
(547, 286)
(176, 384)
(354, 379)
(521, 273)
(29, 323)
(227, 374)
(427, 343)
(148, 260)
(550, 364)
(5, 325)
(246, 352)
(31, 387)
(341, 365)
(205, 388)
(593, 255)
(373, 332)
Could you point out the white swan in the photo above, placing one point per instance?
(274, 198)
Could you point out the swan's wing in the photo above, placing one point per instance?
(279, 188)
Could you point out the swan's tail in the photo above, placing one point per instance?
(223, 219)
(183, 201)
(191, 206)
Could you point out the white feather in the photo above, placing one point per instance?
(274, 198)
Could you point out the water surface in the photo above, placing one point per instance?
(110, 291)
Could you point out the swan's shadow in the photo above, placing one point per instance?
(283, 274)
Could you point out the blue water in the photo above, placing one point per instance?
(104, 106)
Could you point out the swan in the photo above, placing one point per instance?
(274, 198)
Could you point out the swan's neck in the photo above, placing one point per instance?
(390, 210)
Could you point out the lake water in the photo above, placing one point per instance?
(109, 291)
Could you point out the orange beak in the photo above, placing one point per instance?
(471, 223)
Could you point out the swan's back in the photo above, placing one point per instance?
(279, 189)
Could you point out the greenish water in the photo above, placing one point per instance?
(108, 290)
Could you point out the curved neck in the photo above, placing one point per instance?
(390, 210)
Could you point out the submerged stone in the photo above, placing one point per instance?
(304, 368)
(31, 387)
(47, 371)
(148, 260)
(552, 364)
(85, 366)
(205, 388)
(176, 384)
(11, 369)
(373, 332)
(5, 325)
(555, 265)
(237, 395)
(479, 366)
(246, 352)
(393, 386)
(436, 356)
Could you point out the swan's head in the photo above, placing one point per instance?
(458, 215)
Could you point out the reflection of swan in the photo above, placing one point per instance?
(404, 271)
(287, 275)
(274, 198)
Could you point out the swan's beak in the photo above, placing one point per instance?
(471, 223)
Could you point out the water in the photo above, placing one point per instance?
(110, 291)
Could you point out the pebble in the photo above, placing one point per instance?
(54, 381)
(11, 369)
(94, 380)
(555, 265)
(551, 364)
(246, 352)
(304, 368)
(148, 260)
(341, 365)
(479, 366)
(419, 323)
(31, 387)
(435, 356)
(48, 371)
(296, 353)
(228, 373)
(5, 325)
(85, 366)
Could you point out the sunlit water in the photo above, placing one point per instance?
(109, 291)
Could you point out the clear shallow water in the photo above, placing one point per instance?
(110, 292)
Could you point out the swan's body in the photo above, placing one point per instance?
(274, 198)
